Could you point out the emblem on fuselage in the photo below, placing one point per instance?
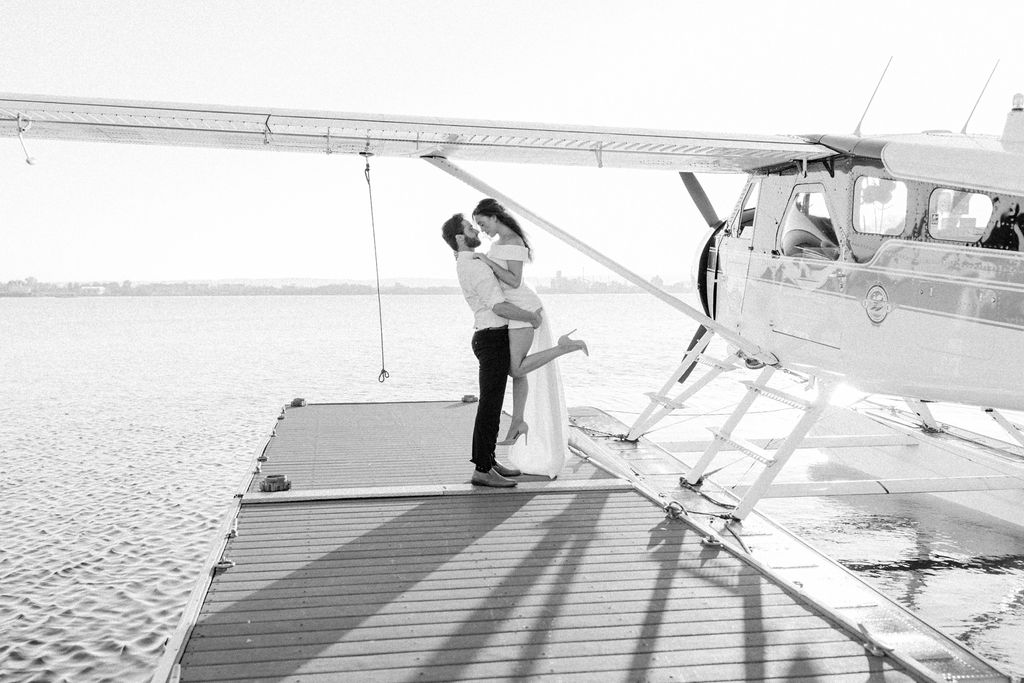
(876, 304)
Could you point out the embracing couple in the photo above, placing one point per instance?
(509, 324)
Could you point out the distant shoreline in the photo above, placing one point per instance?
(31, 288)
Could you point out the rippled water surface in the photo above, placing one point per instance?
(126, 425)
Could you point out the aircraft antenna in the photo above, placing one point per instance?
(963, 131)
(856, 132)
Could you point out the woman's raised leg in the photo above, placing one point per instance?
(523, 365)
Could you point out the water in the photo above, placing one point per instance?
(126, 425)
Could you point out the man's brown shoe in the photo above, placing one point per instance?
(491, 478)
(505, 470)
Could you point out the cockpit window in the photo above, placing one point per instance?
(807, 228)
(745, 219)
(879, 206)
(958, 216)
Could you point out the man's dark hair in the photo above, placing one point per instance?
(451, 228)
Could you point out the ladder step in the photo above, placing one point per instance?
(750, 450)
(780, 396)
(715, 363)
(664, 401)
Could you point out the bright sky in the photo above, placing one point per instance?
(112, 212)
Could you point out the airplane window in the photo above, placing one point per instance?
(879, 206)
(746, 217)
(958, 216)
(807, 228)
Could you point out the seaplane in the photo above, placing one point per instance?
(892, 263)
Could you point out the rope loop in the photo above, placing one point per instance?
(675, 510)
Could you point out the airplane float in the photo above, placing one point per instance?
(893, 263)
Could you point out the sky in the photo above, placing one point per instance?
(87, 212)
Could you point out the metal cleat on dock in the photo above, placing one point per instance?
(222, 566)
(275, 482)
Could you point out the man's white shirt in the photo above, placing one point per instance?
(481, 290)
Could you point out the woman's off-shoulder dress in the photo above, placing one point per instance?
(544, 449)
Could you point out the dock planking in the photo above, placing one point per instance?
(553, 581)
(326, 446)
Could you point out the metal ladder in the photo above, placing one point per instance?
(662, 403)
(772, 460)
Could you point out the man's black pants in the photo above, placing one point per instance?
(491, 348)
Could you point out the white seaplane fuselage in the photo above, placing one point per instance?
(928, 303)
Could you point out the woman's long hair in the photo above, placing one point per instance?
(491, 207)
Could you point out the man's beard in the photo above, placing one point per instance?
(472, 242)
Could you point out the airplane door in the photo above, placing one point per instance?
(803, 281)
(734, 259)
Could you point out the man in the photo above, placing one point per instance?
(490, 345)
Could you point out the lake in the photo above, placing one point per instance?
(126, 424)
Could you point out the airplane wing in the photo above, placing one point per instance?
(973, 162)
(154, 123)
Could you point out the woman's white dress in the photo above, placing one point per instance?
(543, 450)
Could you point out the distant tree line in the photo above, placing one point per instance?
(579, 285)
(33, 287)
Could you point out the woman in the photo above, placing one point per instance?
(506, 258)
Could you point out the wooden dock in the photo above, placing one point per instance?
(382, 563)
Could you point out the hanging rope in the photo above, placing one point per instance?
(376, 268)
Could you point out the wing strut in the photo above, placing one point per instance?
(749, 348)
